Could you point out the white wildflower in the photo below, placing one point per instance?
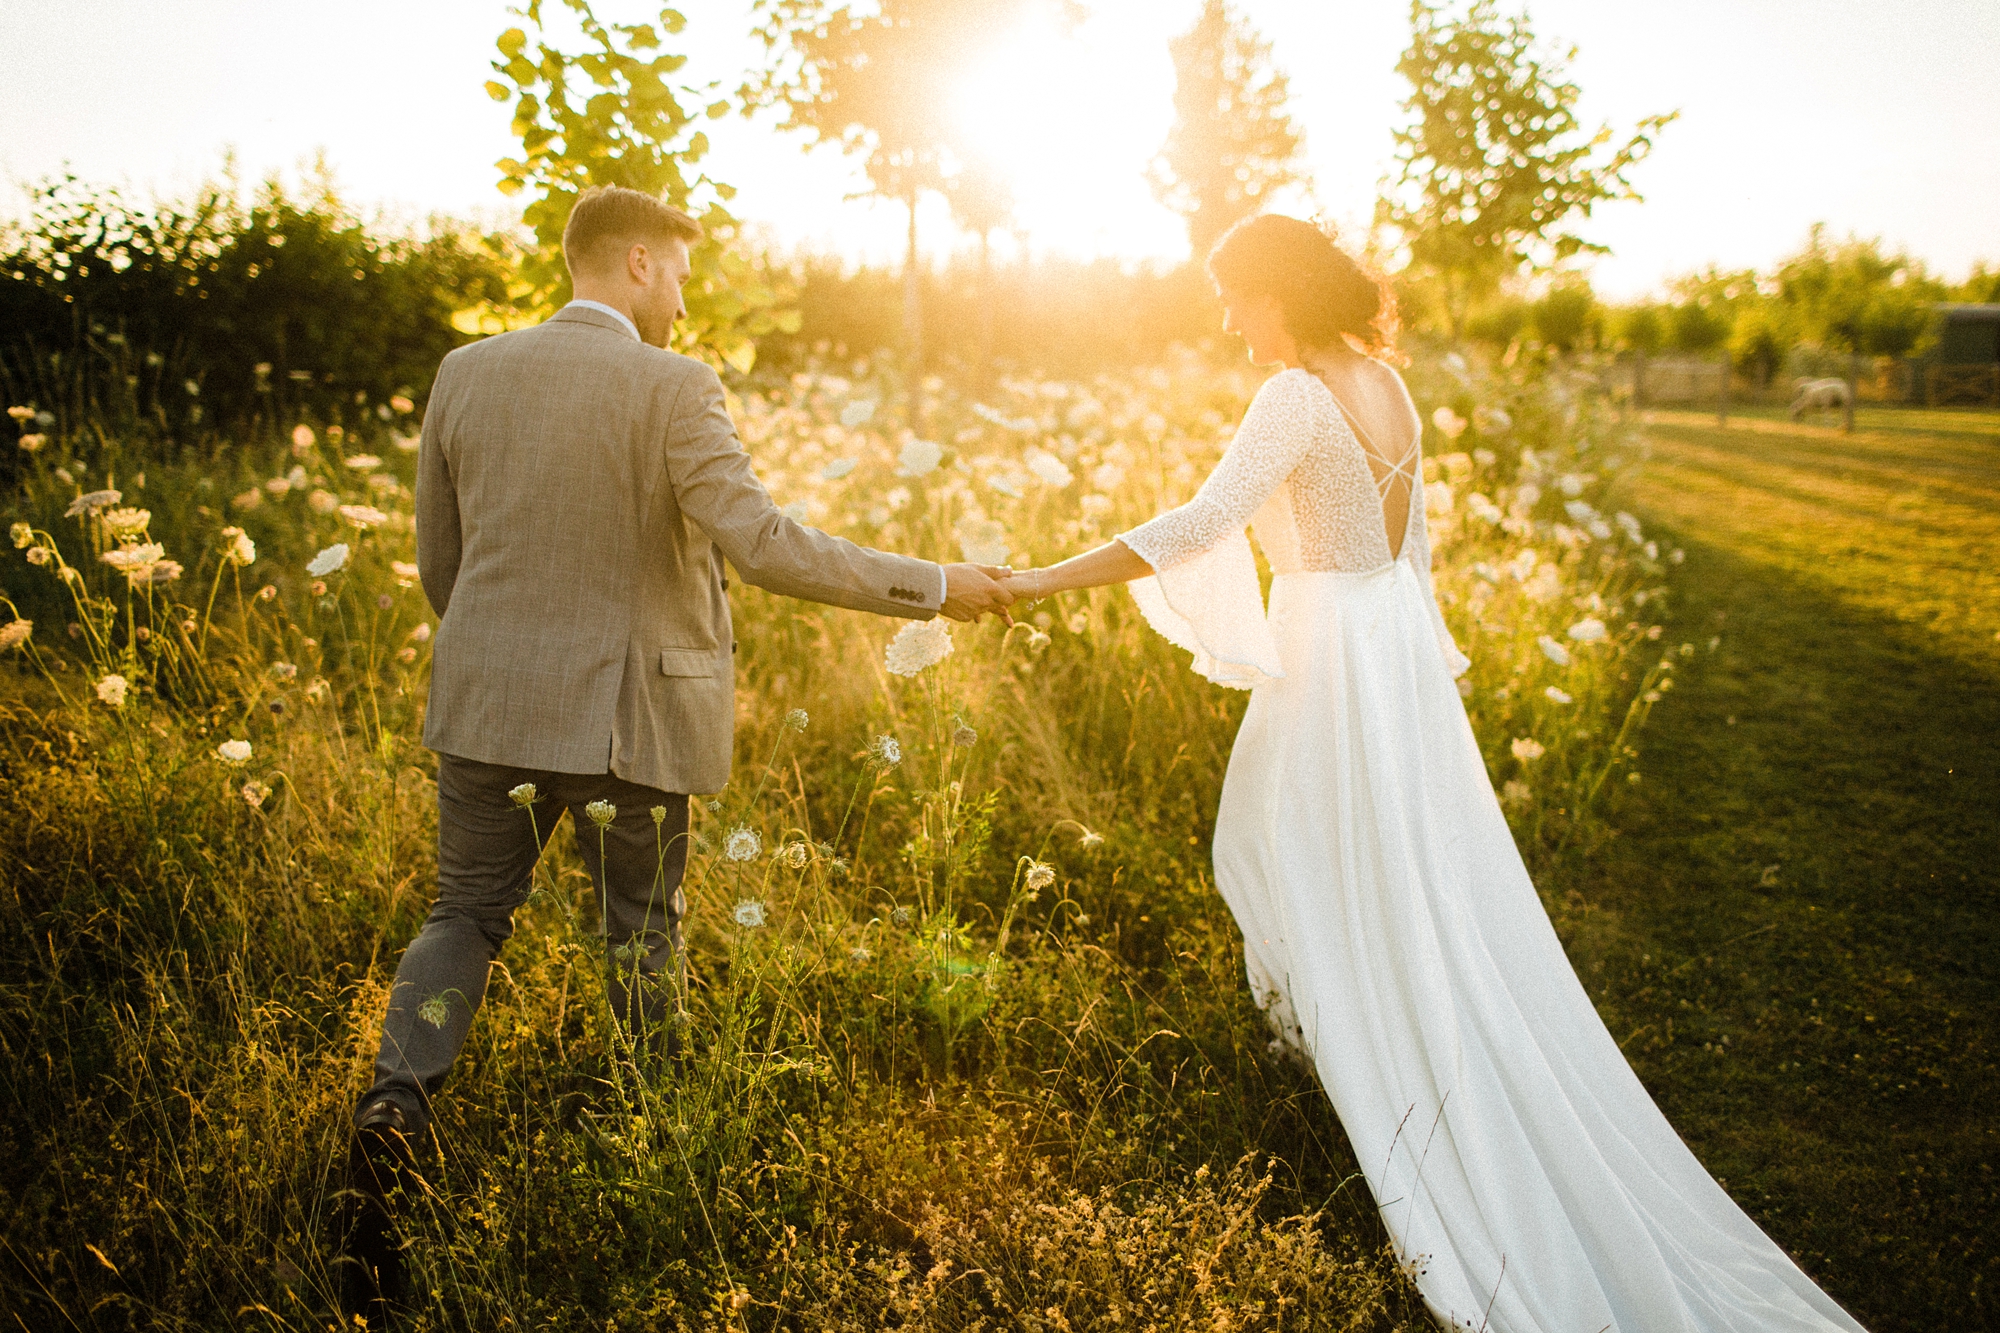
(284, 671)
(749, 914)
(1525, 749)
(523, 795)
(328, 561)
(22, 534)
(302, 438)
(363, 462)
(983, 541)
(1038, 641)
(123, 522)
(92, 500)
(742, 844)
(1554, 651)
(323, 501)
(796, 855)
(1557, 695)
(1480, 505)
(111, 690)
(601, 813)
(436, 1009)
(279, 487)
(32, 443)
(20, 413)
(797, 511)
(1091, 838)
(135, 562)
(38, 555)
(1448, 422)
(919, 457)
(919, 644)
(15, 633)
(838, 468)
(1571, 484)
(1492, 420)
(962, 735)
(238, 548)
(1049, 469)
(1588, 630)
(1516, 792)
(798, 719)
(1108, 477)
(860, 953)
(233, 752)
(1006, 484)
(363, 516)
(409, 444)
(255, 793)
(160, 571)
(857, 414)
(1040, 875)
(886, 751)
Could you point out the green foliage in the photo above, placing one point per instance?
(1567, 317)
(1495, 164)
(609, 115)
(1760, 338)
(1232, 142)
(1643, 329)
(212, 314)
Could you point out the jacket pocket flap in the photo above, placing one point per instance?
(690, 662)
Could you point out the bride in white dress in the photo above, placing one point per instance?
(1389, 925)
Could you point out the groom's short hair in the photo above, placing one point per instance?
(608, 219)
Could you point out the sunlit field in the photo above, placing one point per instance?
(966, 1041)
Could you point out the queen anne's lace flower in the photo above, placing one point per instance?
(1588, 630)
(798, 719)
(111, 690)
(1554, 651)
(919, 644)
(326, 562)
(742, 844)
(233, 752)
(1048, 469)
(838, 468)
(15, 633)
(363, 462)
(255, 793)
(22, 534)
(1557, 695)
(601, 813)
(886, 751)
(92, 500)
(125, 521)
(1040, 875)
(523, 795)
(857, 413)
(749, 914)
(919, 457)
(238, 548)
(1527, 748)
(363, 516)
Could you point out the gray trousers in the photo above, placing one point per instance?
(488, 847)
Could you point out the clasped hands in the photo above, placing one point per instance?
(971, 591)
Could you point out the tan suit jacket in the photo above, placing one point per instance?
(577, 494)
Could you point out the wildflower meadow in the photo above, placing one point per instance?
(963, 1039)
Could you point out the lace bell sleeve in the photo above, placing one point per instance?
(1203, 595)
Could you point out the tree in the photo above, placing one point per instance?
(982, 202)
(1852, 297)
(1232, 142)
(873, 80)
(1495, 163)
(1568, 316)
(608, 116)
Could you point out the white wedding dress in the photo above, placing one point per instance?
(1391, 930)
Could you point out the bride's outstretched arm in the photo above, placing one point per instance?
(1113, 562)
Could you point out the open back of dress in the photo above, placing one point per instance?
(1392, 933)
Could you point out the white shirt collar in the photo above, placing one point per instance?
(618, 315)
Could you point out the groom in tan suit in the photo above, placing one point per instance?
(578, 492)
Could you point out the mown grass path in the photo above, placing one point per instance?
(1795, 931)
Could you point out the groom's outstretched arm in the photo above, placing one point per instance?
(717, 488)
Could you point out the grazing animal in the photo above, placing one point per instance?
(1821, 395)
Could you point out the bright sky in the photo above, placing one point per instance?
(1879, 119)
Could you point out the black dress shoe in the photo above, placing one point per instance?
(381, 1165)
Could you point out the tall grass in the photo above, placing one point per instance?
(966, 1042)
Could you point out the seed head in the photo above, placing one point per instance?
(963, 736)
(797, 719)
(742, 844)
(797, 855)
(15, 633)
(22, 534)
(436, 1009)
(523, 795)
(901, 916)
(255, 793)
(749, 914)
(1040, 875)
(659, 814)
(886, 751)
(919, 644)
(38, 555)
(111, 690)
(601, 813)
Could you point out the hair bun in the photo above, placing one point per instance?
(1324, 293)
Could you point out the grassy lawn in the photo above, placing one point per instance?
(1794, 931)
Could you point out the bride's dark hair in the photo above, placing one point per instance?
(1324, 293)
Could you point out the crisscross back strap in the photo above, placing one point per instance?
(1405, 467)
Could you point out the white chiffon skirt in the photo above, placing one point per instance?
(1389, 923)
